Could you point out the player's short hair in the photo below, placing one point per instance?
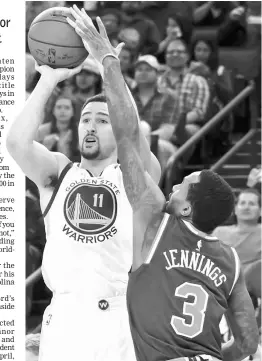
(212, 201)
(32, 343)
(252, 191)
(100, 98)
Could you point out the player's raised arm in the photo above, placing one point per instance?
(241, 319)
(116, 90)
(38, 163)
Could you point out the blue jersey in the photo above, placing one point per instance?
(176, 299)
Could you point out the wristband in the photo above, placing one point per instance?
(108, 54)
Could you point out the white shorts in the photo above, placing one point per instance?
(74, 329)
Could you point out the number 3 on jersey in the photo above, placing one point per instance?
(196, 310)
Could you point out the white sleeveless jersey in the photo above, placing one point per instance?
(89, 232)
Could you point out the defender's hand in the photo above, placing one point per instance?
(96, 43)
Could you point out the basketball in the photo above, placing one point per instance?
(52, 41)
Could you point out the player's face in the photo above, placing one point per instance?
(178, 198)
(30, 356)
(63, 112)
(247, 207)
(96, 138)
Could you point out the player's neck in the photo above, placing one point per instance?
(194, 229)
(96, 166)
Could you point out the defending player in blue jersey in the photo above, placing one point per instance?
(182, 280)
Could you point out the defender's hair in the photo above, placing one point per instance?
(212, 201)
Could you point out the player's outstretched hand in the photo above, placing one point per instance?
(57, 75)
(96, 43)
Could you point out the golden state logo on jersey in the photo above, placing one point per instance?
(90, 211)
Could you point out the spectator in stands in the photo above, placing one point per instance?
(155, 108)
(32, 344)
(60, 133)
(245, 236)
(175, 29)
(126, 63)
(233, 32)
(160, 11)
(139, 33)
(211, 13)
(228, 16)
(162, 149)
(190, 92)
(205, 52)
(111, 18)
(254, 178)
(85, 84)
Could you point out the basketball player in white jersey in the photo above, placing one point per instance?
(88, 222)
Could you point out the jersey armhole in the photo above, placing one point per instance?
(237, 269)
(157, 239)
(57, 186)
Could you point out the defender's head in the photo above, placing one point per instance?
(248, 206)
(205, 198)
(96, 138)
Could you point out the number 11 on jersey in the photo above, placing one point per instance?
(100, 202)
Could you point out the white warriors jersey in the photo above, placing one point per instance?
(89, 232)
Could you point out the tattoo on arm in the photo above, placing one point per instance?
(133, 172)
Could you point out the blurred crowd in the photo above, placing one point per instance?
(178, 83)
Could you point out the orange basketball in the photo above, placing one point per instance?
(52, 41)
